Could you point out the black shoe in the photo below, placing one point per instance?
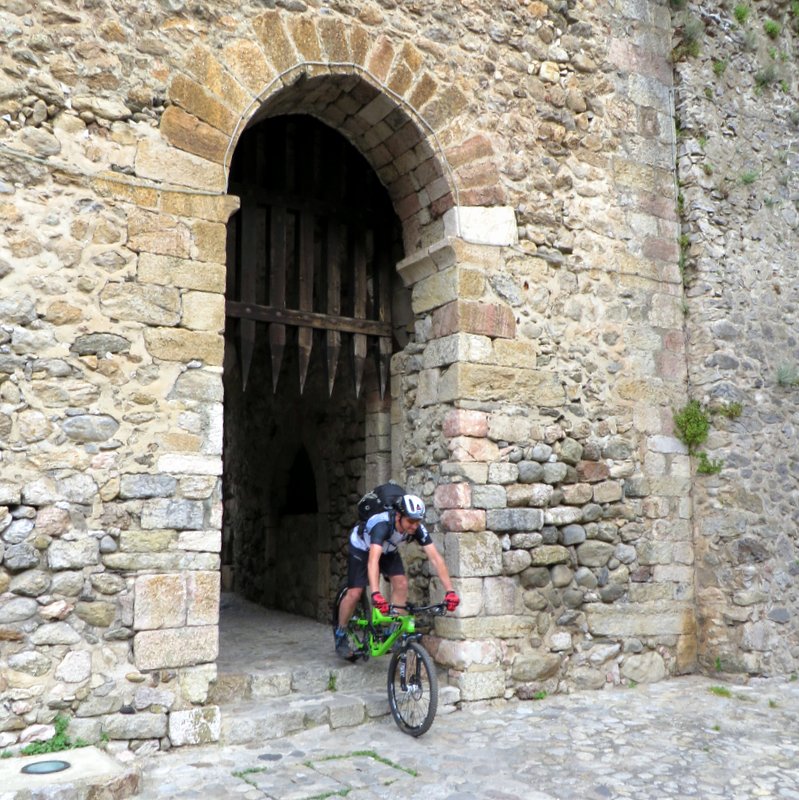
(343, 649)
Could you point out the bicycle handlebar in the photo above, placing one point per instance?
(437, 609)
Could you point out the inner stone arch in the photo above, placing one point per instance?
(392, 136)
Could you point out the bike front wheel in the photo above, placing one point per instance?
(412, 689)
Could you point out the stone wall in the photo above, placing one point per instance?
(737, 164)
(529, 153)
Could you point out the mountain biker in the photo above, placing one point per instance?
(373, 551)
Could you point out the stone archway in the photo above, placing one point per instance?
(310, 272)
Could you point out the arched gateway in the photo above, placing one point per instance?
(281, 262)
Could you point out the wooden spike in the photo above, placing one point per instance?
(384, 363)
(246, 349)
(305, 335)
(382, 279)
(359, 340)
(277, 289)
(334, 258)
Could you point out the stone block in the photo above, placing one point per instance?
(514, 429)
(644, 667)
(473, 554)
(491, 383)
(482, 685)
(503, 473)
(194, 97)
(515, 561)
(594, 553)
(135, 726)
(172, 514)
(592, 471)
(535, 666)
(653, 619)
(460, 422)
(548, 554)
(453, 283)
(195, 726)
(495, 225)
(181, 273)
(607, 492)
(473, 471)
(463, 654)
(462, 316)
(515, 519)
(208, 241)
(177, 344)
(179, 463)
(453, 495)
(463, 519)
(508, 626)
(472, 448)
(202, 598)
(175, 647)
(203, 311)
(148, 303)
(489, 496)
(160, 602)
(63, 554)
(187, 132)
(201, 541)
(515, 353)
(160, 162)
(457, 347)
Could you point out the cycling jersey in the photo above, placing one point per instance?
(379, 529)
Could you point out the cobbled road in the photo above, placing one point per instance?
(682, 738)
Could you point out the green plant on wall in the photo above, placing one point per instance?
(60, 740)
(787, 375)
(741, 13)
(692, 423)
(709, 466)
(772, 28)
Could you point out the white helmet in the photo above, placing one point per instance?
(411, 506)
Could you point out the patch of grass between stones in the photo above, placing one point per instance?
(245, 773)
(60, 740)
(720, 691)
(366, 754)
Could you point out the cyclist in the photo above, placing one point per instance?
(373, 551)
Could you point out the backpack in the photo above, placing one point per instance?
(379, 499)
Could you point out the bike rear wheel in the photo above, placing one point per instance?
(412, 689)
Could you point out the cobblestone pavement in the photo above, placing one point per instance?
(687, 737)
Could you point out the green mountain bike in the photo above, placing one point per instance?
(412, 678)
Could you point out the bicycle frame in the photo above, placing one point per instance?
(380, 639)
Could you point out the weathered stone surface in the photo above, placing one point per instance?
(195, 726)
(535, 666)
(175, 647)
(473, 554)
(150, 304)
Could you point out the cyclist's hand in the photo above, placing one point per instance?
(452, 600)
(380, 602)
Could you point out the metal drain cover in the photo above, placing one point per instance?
(45, 767)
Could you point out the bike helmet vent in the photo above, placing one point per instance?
(411, 506)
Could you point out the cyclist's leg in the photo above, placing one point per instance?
(356, 581)
(391, 566)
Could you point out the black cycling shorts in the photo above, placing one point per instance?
(357, 577)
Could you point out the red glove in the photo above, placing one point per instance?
(452, 600)
(380, 602)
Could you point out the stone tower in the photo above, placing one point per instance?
(254, 261)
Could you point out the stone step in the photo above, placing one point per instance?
(280, 716)
(267, 705)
